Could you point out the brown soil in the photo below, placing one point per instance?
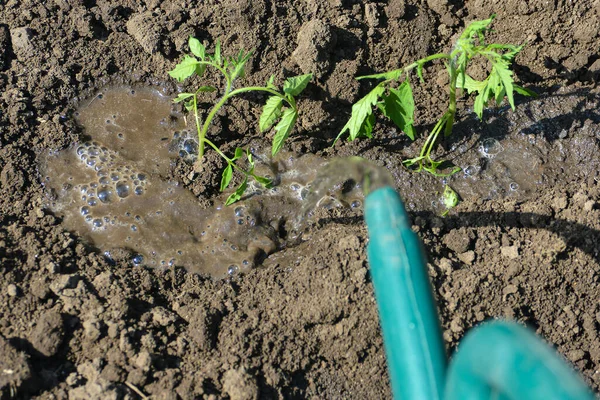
(304, 324)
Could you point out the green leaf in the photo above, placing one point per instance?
(399, 106)
(206, 89)
(283, 128)
(226, 177)
(296, 84)
(197, 48)
(449, 198)
(271, 83)
(390, 75)
(477, 28)
(524, 91)
(184, 69)
(470, 84)
(266, 182)
(271, 112)
(239, 192)
(239, 64)
(189, 105)
(502, 71)
(182, 96)
(366, 129)
(360, 111)
(239, 153)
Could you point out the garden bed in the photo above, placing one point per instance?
(302, 323)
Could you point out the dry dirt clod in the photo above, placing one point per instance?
(21, 43)
(316, 40)
(145, 30)
(240, 385)
(48, 334)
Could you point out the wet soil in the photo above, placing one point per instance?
(303, 323)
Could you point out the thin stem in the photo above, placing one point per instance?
(229, 160)
(451, 113)
(200, 135)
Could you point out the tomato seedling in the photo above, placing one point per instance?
(397, 103)
(233, 68)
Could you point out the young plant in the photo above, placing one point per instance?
(233, 68)
(398, 104)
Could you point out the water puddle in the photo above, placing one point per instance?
(111, 190)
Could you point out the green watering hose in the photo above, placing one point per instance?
(498, 360)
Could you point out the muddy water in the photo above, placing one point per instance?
(111, 190)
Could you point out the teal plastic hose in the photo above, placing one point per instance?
(502, 360)
(498, 360)
(407, 311)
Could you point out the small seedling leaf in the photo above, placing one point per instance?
(390, 75)
(182, 96)
(239, 65)
(399, 106)
(271, 83)
(266, 182)
(184, 69)
(239, 192)
(197, 48)
(449, 198)
(226, 177)
(296, 84)
(360, 111)
(217, 55)
(189, 105)
(206, 89)
(283, 128)
(271, 112)
(239, 153)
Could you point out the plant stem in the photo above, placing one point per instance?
(451, 113)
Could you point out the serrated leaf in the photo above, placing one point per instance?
(237, 195)
(239, 64)
(470, 84)
(184, 69)
(182, 96)
(226, 177)
(366, 129)
(477, 28)
(197, 48)
(390, 75)
(399, 106)
(360, 111)
(296, 84)
(504, 74)
(283, 128)
(271, 111)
